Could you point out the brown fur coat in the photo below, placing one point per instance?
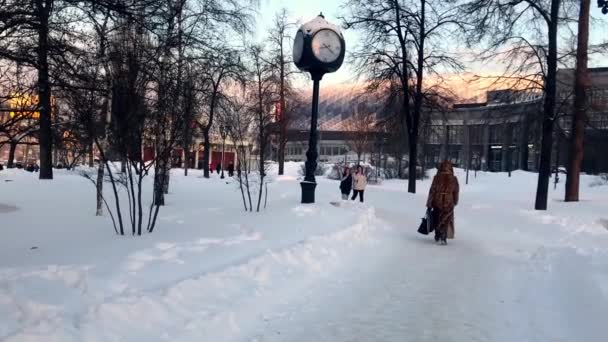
(443, 198)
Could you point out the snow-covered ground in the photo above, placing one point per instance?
(212, 272)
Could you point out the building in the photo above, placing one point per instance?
(504, 134)
(332, 145)
(496, 136)
(595, 158)
(18, 120)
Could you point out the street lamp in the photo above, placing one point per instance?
(224, 133)
(318, 48)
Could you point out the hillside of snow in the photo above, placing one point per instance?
(354, 272)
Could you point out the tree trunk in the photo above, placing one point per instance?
(99, 188)
(283, 119)
(186, 160)
(11, 155)
(167, 176)
(506, 158)
(544, 171)
(558, 150)
(411, 181)
(206, 152)
(45, 135)
(400, 168)
(91, 156)
(159, 181)
(418, 98)
(523, 144)
(581, 84)
(445, 145)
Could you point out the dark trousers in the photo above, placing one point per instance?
(358, 192)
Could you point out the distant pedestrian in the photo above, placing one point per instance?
(443, 198)
(218, 167)
(230, 170)
(359, 183)
(346, 183)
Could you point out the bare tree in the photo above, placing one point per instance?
(241, 121)
(220, 68)
(530, 30)
(403, 38)
(262, 93)
(360, 127)
(33, 33)
(279, 42)
(189, 111)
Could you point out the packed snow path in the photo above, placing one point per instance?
(304, 272)
(405, 288)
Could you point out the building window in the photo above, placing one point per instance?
(456, 134)
(437, 135)
(496, 134)
(476, 134)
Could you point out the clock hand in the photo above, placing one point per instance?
(328, 48)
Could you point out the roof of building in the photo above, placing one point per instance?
(469, 105)
(303, 135)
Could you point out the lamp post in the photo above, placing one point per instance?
(318, 49)
(223, 132)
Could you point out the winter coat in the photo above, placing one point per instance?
(359, 181)
(346, 184)
(443, 198)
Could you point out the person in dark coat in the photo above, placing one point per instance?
(218, 168)
(230, 170)
(443, 198)
(346, 183)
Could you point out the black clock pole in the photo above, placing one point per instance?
(309, 184)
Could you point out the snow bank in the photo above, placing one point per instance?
(70, 278)
(213, 272)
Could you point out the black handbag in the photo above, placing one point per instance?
(426, 226)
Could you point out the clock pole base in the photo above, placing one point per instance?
(308, 192)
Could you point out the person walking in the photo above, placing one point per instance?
(346, 183)
(443, 198)
(230, 170)
(359, 183)
(218, 168)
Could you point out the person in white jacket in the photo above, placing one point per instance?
(359, 183)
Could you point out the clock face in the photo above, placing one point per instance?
(298, 46)
(326, 46)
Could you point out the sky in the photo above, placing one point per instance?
(305, 10)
